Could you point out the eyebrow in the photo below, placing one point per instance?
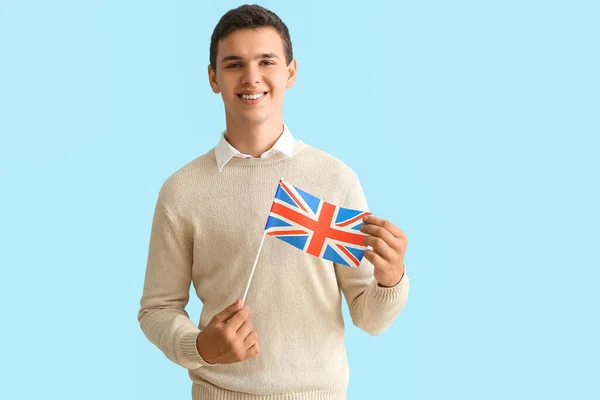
(238, 58)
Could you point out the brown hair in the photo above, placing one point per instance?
(249, 17)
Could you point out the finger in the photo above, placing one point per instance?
(375, 259)
(244, 329)
(371, 219)
(228, 312)
(380, 232)
(238, 319)
(253, 350)
(250, 340)
(379, 246)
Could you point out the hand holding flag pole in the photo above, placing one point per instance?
(314, 226)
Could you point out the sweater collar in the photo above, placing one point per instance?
(224, 151)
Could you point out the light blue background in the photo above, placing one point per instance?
(472, 125)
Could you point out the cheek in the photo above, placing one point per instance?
(227, 98)
(226, 87)
(277, 81)
(228, 94)
(278, 88)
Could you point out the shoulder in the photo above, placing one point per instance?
(335, 168)
(178, 187)
(324, 176)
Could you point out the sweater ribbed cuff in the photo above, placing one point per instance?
(190, 350)
(389, 294)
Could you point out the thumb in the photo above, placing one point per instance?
(229, 311)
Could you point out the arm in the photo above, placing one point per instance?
(162, 314)
(373, 307)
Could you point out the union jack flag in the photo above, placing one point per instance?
(315, 226)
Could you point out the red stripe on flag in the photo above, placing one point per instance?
(350, 255)
(293, 215)
(289, 192)
(348, 237)
(359, 216)
(297, 232)
(322, 229)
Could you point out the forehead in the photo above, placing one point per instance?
(249, 42)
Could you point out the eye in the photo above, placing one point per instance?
(269, 62)
(234, 65)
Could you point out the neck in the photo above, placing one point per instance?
(253, 139)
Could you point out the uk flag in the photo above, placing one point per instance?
(315, 226)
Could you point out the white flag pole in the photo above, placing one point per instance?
(255, 261)
(253, 268)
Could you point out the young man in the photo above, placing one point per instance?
(207, 226)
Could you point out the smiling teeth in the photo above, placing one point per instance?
(252, 96)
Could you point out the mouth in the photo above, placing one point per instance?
(252, 98)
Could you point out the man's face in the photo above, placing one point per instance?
(252, 62)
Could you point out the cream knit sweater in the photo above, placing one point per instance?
(206, 229)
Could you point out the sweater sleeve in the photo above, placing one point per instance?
(162, 314)
(373, 308)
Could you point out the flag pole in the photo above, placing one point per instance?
(253, 267)
(256, 259)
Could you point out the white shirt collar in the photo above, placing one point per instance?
(224, 151)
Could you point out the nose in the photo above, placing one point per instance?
(251, 74)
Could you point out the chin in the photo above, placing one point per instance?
(254, 118)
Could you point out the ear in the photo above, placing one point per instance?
(212, 79)
(292, 68)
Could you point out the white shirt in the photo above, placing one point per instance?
(224, 151)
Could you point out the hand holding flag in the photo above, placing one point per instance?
(314, 226)
(389, 246)
(334, 233)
